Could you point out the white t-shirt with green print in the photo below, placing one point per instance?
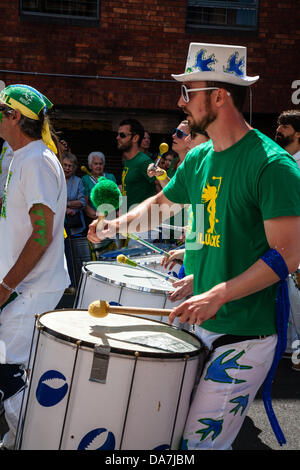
(35, 177)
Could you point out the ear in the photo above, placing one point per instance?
(135, 138)
(16, 116)
(221, 96)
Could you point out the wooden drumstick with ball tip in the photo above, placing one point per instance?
(101, 308)
(85, 170)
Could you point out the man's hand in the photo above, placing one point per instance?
(108, 230)
(152, 171)
(199, 308)
(168, 262)
(184, 288)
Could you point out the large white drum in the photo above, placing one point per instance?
(123, 285)
(118, 382)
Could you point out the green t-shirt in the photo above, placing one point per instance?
(172, 170)
(190, 244)
(232, 193)
(136, 184)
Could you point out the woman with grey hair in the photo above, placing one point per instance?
(96, 164)
(74, 220)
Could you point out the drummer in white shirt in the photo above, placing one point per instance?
(33, 272)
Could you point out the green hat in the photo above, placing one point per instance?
(30, 103)
(26, 99)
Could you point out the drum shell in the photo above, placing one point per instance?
(94, 287)
(157, 404)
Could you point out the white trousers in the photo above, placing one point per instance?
(17, 321)
(228, 385)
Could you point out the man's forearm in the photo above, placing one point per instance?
(29, 257)
(147, 215)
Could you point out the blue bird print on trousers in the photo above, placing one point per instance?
(234, 65)
(241, 403)
(217, 369)
(213, 426)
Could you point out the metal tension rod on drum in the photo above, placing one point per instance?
(78, 344)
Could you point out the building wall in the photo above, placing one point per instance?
(133, 51)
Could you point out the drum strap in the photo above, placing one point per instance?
(276, 262)
(10, 299)
(12, 380)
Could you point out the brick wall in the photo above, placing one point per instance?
(143, 39)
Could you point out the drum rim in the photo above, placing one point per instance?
(113, 349)
(101, 277)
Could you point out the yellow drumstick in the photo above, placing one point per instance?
(124, 260)
(163, 148)
(101, 308)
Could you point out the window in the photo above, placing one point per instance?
(222, 14)
(77, 9)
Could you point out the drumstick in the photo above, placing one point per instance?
(173, 227)
(151, 246)
(124, 260)
(85, 170)
(101, 308)
(105, 193)
(163, 148)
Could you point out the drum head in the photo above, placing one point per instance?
(125, 334)
(128, 276)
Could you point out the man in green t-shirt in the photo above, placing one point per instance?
(136, 184)
(245, 196)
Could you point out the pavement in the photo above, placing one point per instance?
(256, 432)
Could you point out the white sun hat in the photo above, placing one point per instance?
(216, 62)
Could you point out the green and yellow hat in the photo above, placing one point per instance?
(30, 102)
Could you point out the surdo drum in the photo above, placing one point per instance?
(118, 382)
(123, 285)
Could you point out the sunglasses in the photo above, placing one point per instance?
(179, 133)
(123, 135)
(185, 91)
(5, 109)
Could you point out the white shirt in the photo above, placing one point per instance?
(5, 160)
(35, 177)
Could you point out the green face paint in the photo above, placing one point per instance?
(41, 223)
(1, 116)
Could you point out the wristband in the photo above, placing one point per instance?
(163, 176)
(7, 287)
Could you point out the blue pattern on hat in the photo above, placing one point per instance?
(204, 64)
(234, 65)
